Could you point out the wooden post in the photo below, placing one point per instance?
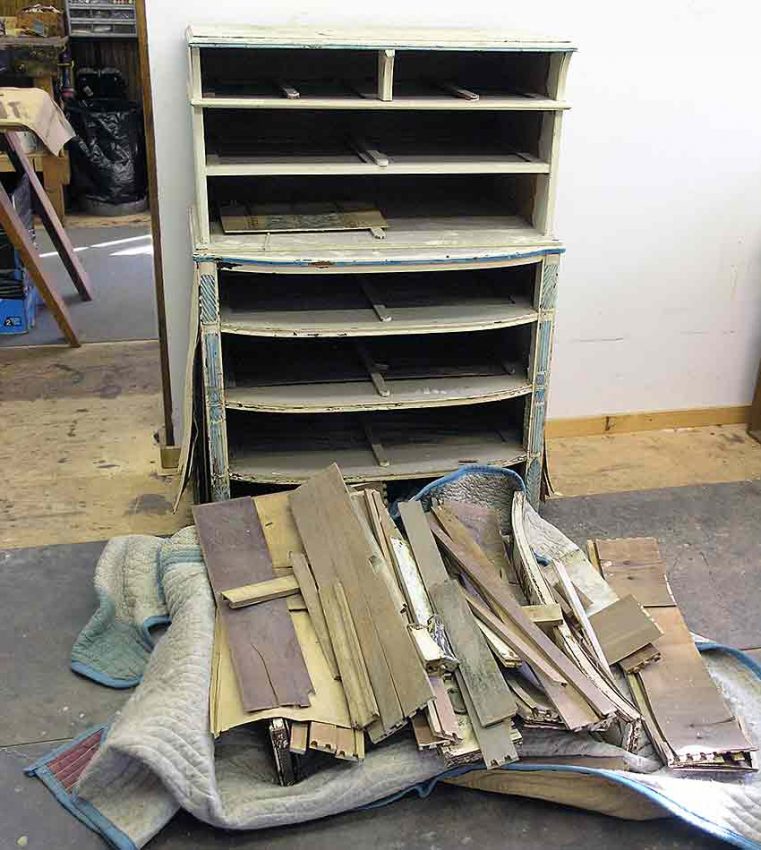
(153, 199)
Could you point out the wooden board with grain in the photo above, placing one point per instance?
(623, 628)
(338, 550)
(677, 692)
(285, 218)
(267, 658)
(491, 698)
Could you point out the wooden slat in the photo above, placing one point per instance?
(267, 658)
(262, 591)
(299, 737)
(498, 593)
(341, 554)
(495, 741)
(426, 551)
(363, 706)
(490, 695)
(311, 599)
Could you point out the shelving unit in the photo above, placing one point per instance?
(380, 289)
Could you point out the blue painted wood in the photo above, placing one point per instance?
(214, 390)
(549, 286)
(533, 478)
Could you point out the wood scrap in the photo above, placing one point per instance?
(262, 591)
(624, 628)
(486, 687)
(268, 660)
(689, 720)
(312, 600)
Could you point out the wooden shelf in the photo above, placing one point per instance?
(376, 373)
(486, 101)
(362, 396)
(349, 163)
(301, 310)
(288, 449)
(409, 241)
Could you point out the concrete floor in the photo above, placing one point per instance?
(710, 541)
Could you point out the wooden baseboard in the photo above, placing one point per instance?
(625, 423)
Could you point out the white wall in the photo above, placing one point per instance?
(660, 188)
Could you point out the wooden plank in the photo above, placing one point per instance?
(346, 744)
(623, 628)
(316, 506)
(498, 594)
(14, 228)
(490, 695)
(239, 218)
(363, 707)
(323, 737)
(544, 615)
(312, 600)
(495, 741)
(683, 699)
(445, 713)
(268, 661)
(331, 528)
(504, 654)
(49, 217)
(427, 555)
(327, 704)
(262, 591)
(299, 737)
(572, 596)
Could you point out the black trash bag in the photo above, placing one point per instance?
(108, 154)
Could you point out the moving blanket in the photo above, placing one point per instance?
(127, 780)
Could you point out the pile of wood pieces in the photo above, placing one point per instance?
(338, 628)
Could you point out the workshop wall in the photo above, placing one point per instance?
(660, 180)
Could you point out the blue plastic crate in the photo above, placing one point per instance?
(18, 315)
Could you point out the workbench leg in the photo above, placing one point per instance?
(50, 219)
(14, 228)
(213, 382)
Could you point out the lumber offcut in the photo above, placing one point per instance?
(267, 658)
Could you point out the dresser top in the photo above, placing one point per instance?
(370, 38)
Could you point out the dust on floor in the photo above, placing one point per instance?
(80, 445)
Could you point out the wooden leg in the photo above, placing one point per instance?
(53, 183)
(22, 242)
(49, 217)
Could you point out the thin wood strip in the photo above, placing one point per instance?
(366, 589)
(312, 600)
(363, 708)
(497, 591)
(268, 662)
(581, 616)
(427, 555)
(262, 591)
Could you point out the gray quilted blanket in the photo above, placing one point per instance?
(158, 756)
